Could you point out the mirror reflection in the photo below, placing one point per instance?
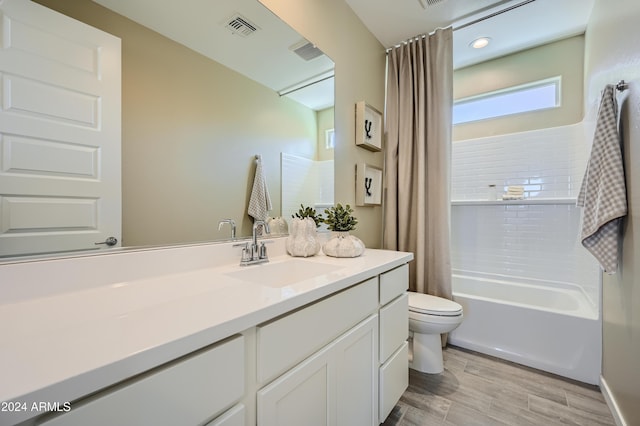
(198, 104)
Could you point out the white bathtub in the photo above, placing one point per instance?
(550, 326)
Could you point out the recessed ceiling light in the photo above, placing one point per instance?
(480, 42)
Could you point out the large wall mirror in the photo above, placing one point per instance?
(207, 86)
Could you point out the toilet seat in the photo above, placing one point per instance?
(432, 305)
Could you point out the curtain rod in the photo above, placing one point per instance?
(475, 21)
(288, 91)
(491, 15)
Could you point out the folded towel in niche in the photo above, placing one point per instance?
(603, 192)
(514, 193)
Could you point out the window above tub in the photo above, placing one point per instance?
(538, 95)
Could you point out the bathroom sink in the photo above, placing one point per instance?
(283, 273)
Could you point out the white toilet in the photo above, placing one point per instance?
(430, 316)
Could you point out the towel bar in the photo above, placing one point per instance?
(622, 85)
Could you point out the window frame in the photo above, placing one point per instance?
(552, 81)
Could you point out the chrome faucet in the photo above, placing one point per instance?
(256, 224)
(254, 253)
(231, 223)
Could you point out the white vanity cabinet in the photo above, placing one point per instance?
(394, 332)
(327, 350)
(188, 391)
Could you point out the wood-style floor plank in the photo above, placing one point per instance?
(477, 389)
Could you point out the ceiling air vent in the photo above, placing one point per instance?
(306, 50)
(240, 25)
(427, 3)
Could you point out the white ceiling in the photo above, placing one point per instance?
(265, 55)
(533, 24)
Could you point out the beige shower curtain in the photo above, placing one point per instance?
(418, 158)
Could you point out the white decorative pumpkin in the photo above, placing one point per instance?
(303, 239)
(343, 244)
(278, 226)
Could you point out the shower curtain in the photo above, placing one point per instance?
(418, 158)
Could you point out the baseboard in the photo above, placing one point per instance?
(611, 402)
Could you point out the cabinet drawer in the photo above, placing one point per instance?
(185, 392)
(288, 340)
(394, 326)
(394, 380)
(393, 283)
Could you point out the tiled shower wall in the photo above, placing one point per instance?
(549, 163)
(538, 237)
(307, 182)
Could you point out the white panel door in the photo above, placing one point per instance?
(60, 120)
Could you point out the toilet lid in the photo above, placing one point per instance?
(432, 305)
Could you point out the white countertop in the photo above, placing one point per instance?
(64, 345)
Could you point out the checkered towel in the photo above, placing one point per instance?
(603, 191)
(260, 202)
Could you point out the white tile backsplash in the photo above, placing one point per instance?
(528, 240)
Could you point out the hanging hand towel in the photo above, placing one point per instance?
(260, 202)
(603, 191)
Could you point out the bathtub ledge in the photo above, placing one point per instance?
(526, 201)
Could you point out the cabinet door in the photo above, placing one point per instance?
(357, 381)
(337, 385)
(302, 396)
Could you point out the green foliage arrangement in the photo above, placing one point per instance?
(309, 212)
(340, 218)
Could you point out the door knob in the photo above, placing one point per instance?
(110, 241)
